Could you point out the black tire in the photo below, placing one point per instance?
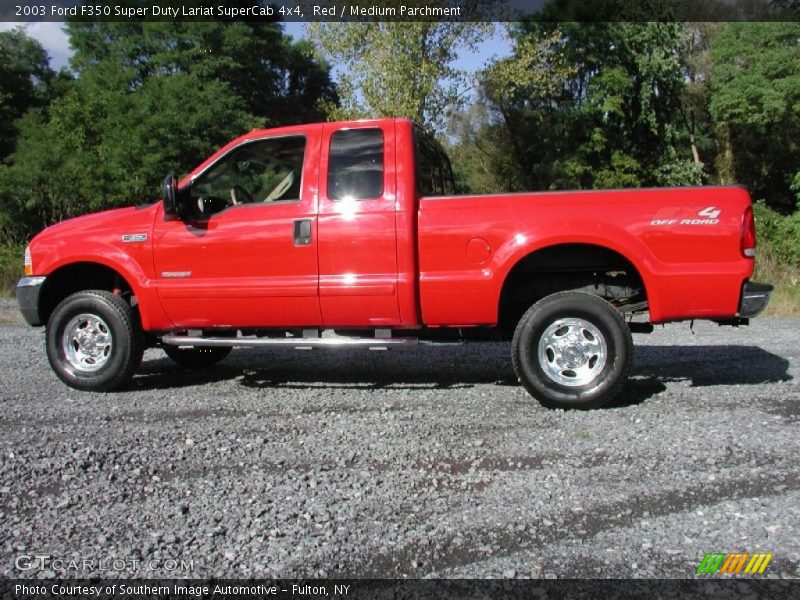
(108, 321)
(196, 358)
(572, 350)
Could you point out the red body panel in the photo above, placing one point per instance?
(97, 238)
(398, 260)
(689, 270)
(241, 267)
(358, 247)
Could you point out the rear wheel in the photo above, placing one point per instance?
(572, 350)
(94, 341)
(196, 358)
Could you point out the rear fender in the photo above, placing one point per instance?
(526, 243)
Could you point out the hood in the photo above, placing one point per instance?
(116, 219)
(110, 237)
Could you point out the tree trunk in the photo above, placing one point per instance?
(695, 151)
(724, 160)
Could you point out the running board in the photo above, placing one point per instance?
(298, 343)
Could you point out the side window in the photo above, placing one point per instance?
(355, 164)
(447, 172)
(429, 178)
(434, 175)
(266, 170)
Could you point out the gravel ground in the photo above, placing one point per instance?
(429, 462)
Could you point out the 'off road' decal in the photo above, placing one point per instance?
(681, 215)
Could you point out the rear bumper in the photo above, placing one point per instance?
(28, 291)
(754, 299)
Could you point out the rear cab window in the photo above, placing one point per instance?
(355, 168)
(434, 173)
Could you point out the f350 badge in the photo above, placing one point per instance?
(686, 216)
(130, 238)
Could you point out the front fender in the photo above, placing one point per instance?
(134, 267)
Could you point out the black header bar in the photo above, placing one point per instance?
(403, 11)
(378, 589)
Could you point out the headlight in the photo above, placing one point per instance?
(27, 261)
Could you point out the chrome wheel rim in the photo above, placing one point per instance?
(87, 342)
(572, 352)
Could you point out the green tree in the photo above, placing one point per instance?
(97, 148)
(694, 116)
(398, 69)
(149, 98)
(31, 196)
(482, 157)
(489, 154)
(24, 75)
(599, 108)
(755, 103)
(275, 79)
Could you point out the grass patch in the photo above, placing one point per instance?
(10, 268)
(778, 259)
(785, 300)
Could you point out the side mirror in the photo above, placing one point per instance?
(169, 195)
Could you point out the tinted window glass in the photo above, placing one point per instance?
(434, 176)
(355, 165)
(447, 173)
(429, 175)
(267, 170)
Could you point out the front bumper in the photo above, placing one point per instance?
(755, 297)
(28, 291)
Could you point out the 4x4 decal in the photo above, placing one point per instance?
(681, 215)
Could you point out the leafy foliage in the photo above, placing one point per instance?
(589, 105)
(397, 69)
(149, 98)
(755, 99)
(24, 74)
(10, 267)
(274, 79)
(780, 234)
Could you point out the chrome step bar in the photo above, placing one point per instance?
(297, 343)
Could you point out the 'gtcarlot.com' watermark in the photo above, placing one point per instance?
(45, 562)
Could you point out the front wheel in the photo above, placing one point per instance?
(572, 350)
(94, 341)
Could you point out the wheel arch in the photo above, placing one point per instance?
(564, 266)
(73, 277)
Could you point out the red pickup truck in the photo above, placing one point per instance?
(354, 229)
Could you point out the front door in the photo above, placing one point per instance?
(244, 253)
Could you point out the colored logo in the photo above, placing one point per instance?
(736, 563)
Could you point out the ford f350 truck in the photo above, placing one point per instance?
(350, 234)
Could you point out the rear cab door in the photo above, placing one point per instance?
(357, 237)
